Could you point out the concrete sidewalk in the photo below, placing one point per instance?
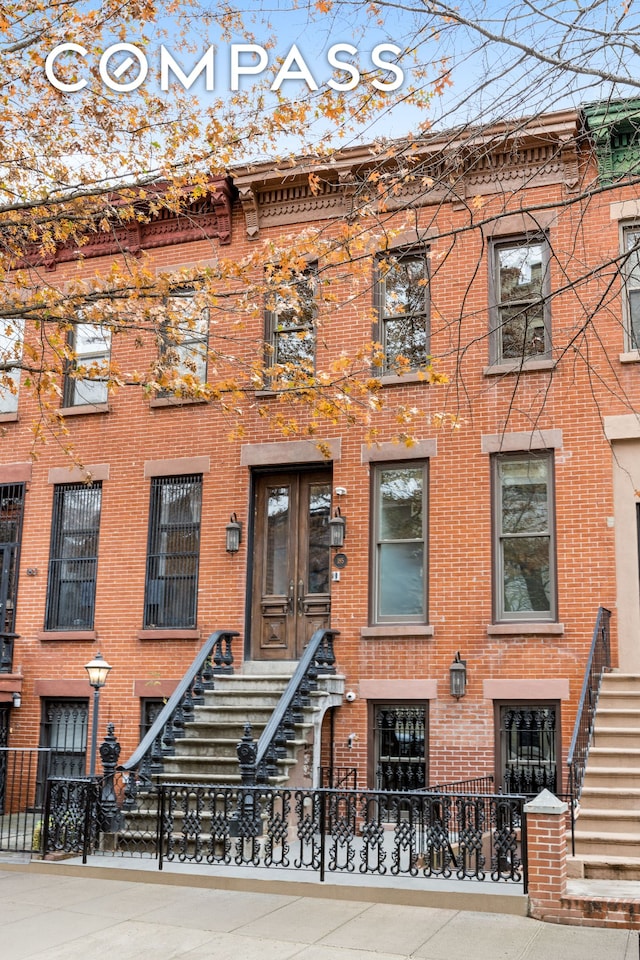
(49, 913)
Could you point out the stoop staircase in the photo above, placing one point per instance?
(607, 833)
(207, 752)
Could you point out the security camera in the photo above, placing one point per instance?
(350, 696)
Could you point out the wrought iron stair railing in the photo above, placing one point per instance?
(147, 760)
(260, 761)
(599, 661)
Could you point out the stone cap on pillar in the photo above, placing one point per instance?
(546, 802)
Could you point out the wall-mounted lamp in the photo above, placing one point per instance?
(337, 529)
(234, 534)
(17, 699)
(458, 677)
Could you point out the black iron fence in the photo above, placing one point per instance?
(23, 777)
(375, 833)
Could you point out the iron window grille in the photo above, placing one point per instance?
(631, 272)
(86, 381)
(402, 292)
(524, 538)
(11, 334)
(521, 321)
(173, 552)
(400, 746)
(528, 748)
(290, 322)
(73, 556)
(400, 543)
(63, 730)
(11, 514)
(184, 342)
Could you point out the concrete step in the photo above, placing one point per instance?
(615, 680)
(604, 867)
(622, 718)
(612, 737)
(610, 798)
(599, 757)
(616, 777)
(619, 699)
(621, 845)
(601, 821)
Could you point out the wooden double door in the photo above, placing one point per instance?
(291, 596)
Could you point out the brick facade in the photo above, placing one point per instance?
(556, 405)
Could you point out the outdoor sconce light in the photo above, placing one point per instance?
(17, 699)
(458, 677)
(234, 534)
(98, 670)
(337, 528)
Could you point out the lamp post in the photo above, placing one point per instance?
(98, 668)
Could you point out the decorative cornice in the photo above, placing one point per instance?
(204, 219)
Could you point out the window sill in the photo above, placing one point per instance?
(83, 409)
(518, 366)
(156, 402)
(85, 635)
(632, 356)
(392, 630)
(398, 380)
(9, 417)
(169, 633)
(519, 628)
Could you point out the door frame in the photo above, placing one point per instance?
(256, 474)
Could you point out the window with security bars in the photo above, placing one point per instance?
(73, 556)
(11, 511)
(528, 748)
(400, 746)
(173, 552)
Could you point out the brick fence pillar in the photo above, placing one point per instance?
(546, 854)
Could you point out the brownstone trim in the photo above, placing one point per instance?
(288, 451)
(84, 635)
(389, 452)
(97, 471)
(15, 472)
(9, 417)
(158, 402)
(178, 467)
(62, 688)
(84, 409)
(519, 366)
(169, 634)
(516, 629)
(518, 223)
(525, 689)
(154, 688)
(392, 631)
(398, 689)
(521, 442)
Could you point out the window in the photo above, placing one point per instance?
(400, 543)
(86, 382)
(400, 757)
(11, 332)
(631, 241)
(184, 339)
(524, 541)
(290, 326)
(520, 315)
(63, 731)
(403, 310)
(73, 557)
(527, 748)
(173, 552)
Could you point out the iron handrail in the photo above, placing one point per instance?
(599, 661)
(175, 703)
(261, 758)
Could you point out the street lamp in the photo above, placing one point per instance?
(98, 668)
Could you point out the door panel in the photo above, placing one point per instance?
(291, 584)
